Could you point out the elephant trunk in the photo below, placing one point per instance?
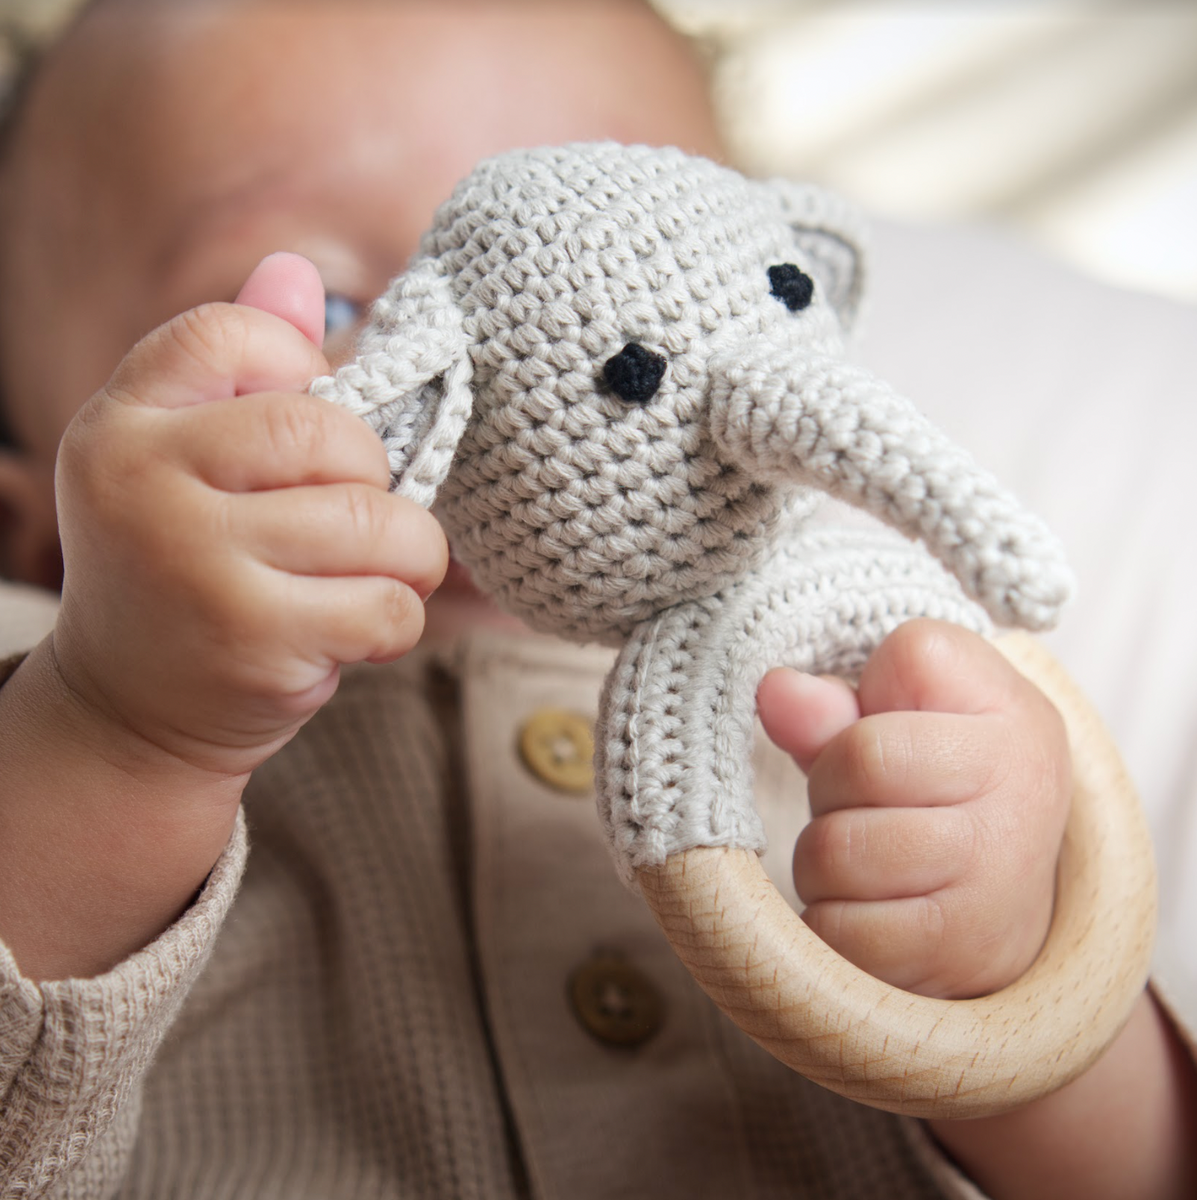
(782, 416)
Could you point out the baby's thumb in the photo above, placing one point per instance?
(802, 713)
(288, 286)
(266, 342)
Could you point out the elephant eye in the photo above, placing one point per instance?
(634, 374)
(791, 286)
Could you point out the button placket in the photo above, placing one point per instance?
(561, 941)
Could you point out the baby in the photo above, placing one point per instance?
(229, 548)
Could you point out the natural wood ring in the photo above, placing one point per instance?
(871, 1042)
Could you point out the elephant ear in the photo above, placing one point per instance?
(410, 379)
(830, 232)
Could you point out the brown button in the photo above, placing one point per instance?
(558, 748)
(615, 1001)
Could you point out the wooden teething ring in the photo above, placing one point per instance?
(874, 1043)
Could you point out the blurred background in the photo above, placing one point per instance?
(1074, 121)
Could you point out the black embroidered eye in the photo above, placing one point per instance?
(793, 288)
(634, 374)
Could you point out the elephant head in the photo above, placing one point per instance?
(620, 374)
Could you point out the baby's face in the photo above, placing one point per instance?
(164, 154)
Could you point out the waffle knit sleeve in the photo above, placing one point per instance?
(73, 1053)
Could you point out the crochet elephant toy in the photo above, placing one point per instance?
(620, 374)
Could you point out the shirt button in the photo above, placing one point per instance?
(615, 1001)
(558, 748)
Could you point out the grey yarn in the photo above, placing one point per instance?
(689, 529)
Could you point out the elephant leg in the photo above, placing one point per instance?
(676, 722)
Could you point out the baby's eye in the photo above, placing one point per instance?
(340, 313)
(791, 286)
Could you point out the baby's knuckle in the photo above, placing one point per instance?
(211, 334)
(827, 843)
(291, 428)
(912, 639)
(877, 757)
(931, 947)
(930, 922)
(100, 440)
(960, 841)
(917, 647)
(365, 519)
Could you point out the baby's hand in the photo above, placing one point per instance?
(230, 541)
(939, 791)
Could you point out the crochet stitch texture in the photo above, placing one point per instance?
(620, 373)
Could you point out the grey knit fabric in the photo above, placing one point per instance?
(676, 721)
(685, 501)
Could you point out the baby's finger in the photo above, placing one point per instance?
(339, 620)
(345, 529)
(215, 351)
(934, 666)
(802, 713)
(289, 286)
(893, 940)
(903, 759)
(883, 854)
(277, 440)
(934, 944)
